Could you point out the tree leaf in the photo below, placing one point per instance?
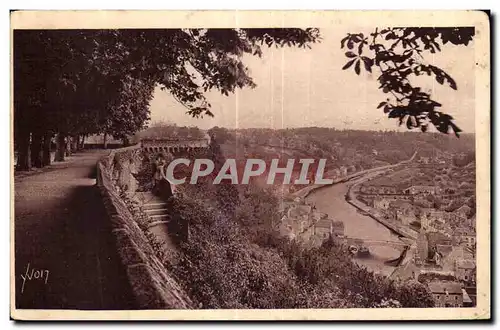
(348, 64)
(368, 63)
(357, 67)
(350, 54)
(360, 48)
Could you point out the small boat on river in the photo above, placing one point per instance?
(363, 252)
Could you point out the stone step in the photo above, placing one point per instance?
(154, 206)
(158, 223)
(159, 217)
(158, 211)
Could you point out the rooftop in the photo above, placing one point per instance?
(299, 211)
(465, 263)
(401, 204)
(324, 223)
(466, 297)
(442, 287)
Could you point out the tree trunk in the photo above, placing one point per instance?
(67, 150)
(105, 140)
(36, 149)
(24, 151)
(60, 147)
(46, 149)
(74, 143)
(82, 145)
(125, 141)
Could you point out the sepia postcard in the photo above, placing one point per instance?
(250, 165)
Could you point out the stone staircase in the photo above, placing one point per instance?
(154, 207)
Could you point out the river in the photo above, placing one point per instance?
(331, 200)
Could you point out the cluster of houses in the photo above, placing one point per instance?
(423, 160)
(446, 244)
(447, 265)
(438, 254)
(302, 222)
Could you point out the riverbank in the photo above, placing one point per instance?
(332, 199)
(350, 198)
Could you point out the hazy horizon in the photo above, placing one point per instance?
(308, 88)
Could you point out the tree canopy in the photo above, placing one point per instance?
(75, 82)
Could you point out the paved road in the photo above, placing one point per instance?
(61, 227)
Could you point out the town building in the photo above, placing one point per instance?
(465, 270)
(422, 249)
(343, 171)
(338, 228)
(472, 293)
(416, 190)
(324, 228)
(467, 300)
(378, 189)
(463, 211)
(404, 212)
(98, 140)
(381, 203)
(465, 236)
(446, 293)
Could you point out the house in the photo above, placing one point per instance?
(404, 211)
(338, 228)
(97, 141)
(465, 270)
(422, 202)
(343, 171)
(449, 260)
(465, 236)
(323, 228)
(299, 212)
(463, 211)
(335, 173)
(467, 300)
(439, 220)
(416, 190)
(381, 203)
(435, 238)
(379, 189)
(437, 244)
(472, 293)
(446, 293)
(285, 229)
(316, 216)
(424, 160)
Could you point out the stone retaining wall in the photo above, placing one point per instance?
(153, 286)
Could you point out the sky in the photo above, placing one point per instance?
(307, 87)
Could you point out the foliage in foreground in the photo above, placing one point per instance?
(226, 266)
(398, 54)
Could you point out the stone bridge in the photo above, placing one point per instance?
(173, 146)
(400, 246)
